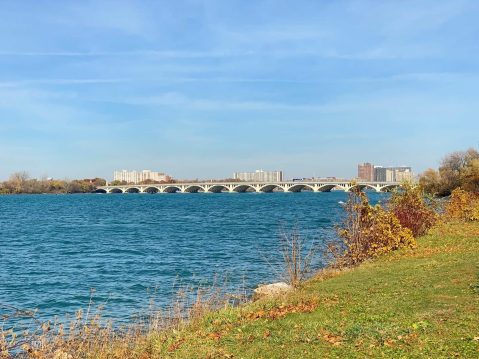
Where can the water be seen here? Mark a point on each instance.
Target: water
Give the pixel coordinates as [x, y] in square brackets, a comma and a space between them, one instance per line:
[55, 248]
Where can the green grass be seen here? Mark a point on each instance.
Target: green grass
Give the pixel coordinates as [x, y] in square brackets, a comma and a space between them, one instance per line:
[421, 303]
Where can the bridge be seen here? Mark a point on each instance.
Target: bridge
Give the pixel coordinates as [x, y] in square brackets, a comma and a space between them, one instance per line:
[232, 187]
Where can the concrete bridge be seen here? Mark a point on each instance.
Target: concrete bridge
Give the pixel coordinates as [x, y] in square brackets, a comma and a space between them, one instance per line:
[216, 187]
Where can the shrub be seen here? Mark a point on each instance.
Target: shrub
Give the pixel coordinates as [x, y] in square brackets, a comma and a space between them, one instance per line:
[297, 257]
[462, 205]
[368, 231]
[412, 209]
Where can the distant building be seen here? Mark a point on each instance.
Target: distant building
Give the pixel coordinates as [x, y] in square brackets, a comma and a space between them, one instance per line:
[259, 176]
[381, 174]
[366, 172]
[403, 174]
[139, 176]
[392, 174]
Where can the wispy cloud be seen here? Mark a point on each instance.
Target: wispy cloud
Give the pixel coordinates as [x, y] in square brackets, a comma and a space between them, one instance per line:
[133, 53]
[150, 76]
[375, 53]
[24, 83]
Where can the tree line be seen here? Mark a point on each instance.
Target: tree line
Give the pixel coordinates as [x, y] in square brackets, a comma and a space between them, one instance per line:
[21, 182]
[457, 170]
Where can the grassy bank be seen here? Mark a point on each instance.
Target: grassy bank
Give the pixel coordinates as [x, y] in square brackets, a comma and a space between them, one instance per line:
[411, 303]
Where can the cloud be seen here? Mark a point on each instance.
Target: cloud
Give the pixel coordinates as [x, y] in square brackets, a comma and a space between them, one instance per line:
[179, 100]
[23, 83]
[166, 54]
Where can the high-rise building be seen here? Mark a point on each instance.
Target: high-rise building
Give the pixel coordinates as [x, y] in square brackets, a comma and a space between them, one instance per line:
[383, 174]
[392, 174]
[259, 176]
[403, 174]
[366, 171]
[139, 176]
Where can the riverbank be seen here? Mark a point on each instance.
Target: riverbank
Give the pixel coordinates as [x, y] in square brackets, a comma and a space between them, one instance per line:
[421, 302]
[411, 303]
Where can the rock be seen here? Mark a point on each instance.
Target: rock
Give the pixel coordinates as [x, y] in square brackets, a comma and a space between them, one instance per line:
[274, 289]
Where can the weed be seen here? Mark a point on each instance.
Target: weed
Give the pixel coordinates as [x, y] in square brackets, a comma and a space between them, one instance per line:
[297, 257]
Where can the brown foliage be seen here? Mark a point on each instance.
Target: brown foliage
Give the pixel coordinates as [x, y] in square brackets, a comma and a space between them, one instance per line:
[462, 205]
[368, 232]
[283, 310]
[458, 169]
[430, 181]
[412, 210]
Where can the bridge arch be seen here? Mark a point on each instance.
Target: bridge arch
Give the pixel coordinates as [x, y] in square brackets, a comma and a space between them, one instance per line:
[362, 187]
[132, 190]
[271, 187]
[194, 189]
[328, 187]
[218, 188]
[115, 190]
[172, 189]
[244, 188]
[151, 190]
[300, 187]
[100, 190]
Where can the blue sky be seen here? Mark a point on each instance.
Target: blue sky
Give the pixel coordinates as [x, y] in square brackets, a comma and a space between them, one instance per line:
[205, 88]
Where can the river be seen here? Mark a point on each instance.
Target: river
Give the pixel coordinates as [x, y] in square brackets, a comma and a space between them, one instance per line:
[55, 248]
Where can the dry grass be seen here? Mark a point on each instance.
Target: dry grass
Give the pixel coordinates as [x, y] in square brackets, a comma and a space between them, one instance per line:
[89, 336]
[297, 254]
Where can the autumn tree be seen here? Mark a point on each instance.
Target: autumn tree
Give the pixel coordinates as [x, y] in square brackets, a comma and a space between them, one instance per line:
[458, 170]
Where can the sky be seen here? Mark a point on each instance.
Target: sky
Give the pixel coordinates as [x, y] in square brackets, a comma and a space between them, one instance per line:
[200, 89]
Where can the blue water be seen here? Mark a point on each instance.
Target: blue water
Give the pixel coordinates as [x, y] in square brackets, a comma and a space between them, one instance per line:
[55, 248]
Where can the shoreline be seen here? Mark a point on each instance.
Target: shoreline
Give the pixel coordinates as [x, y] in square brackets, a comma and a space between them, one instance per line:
[322, 318]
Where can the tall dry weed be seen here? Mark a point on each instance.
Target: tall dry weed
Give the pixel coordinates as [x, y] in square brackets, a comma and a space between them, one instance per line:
[297, 253]
[89, 335]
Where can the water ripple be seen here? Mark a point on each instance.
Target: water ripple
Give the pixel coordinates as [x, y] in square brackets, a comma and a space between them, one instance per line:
[54, 249]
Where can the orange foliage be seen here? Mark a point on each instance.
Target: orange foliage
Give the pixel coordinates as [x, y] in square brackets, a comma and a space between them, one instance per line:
[283, 310]
[463, 206]
[368, 231]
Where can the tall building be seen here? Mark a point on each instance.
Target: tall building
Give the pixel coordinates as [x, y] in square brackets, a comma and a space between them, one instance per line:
[403, 174]
[392, 174]
[382, 174]
[259, 176]
[139, 176]
[366, 171]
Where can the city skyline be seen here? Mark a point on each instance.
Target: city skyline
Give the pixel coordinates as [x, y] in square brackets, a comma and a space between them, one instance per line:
[203, 89]
[370, 172]
[136, 176]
